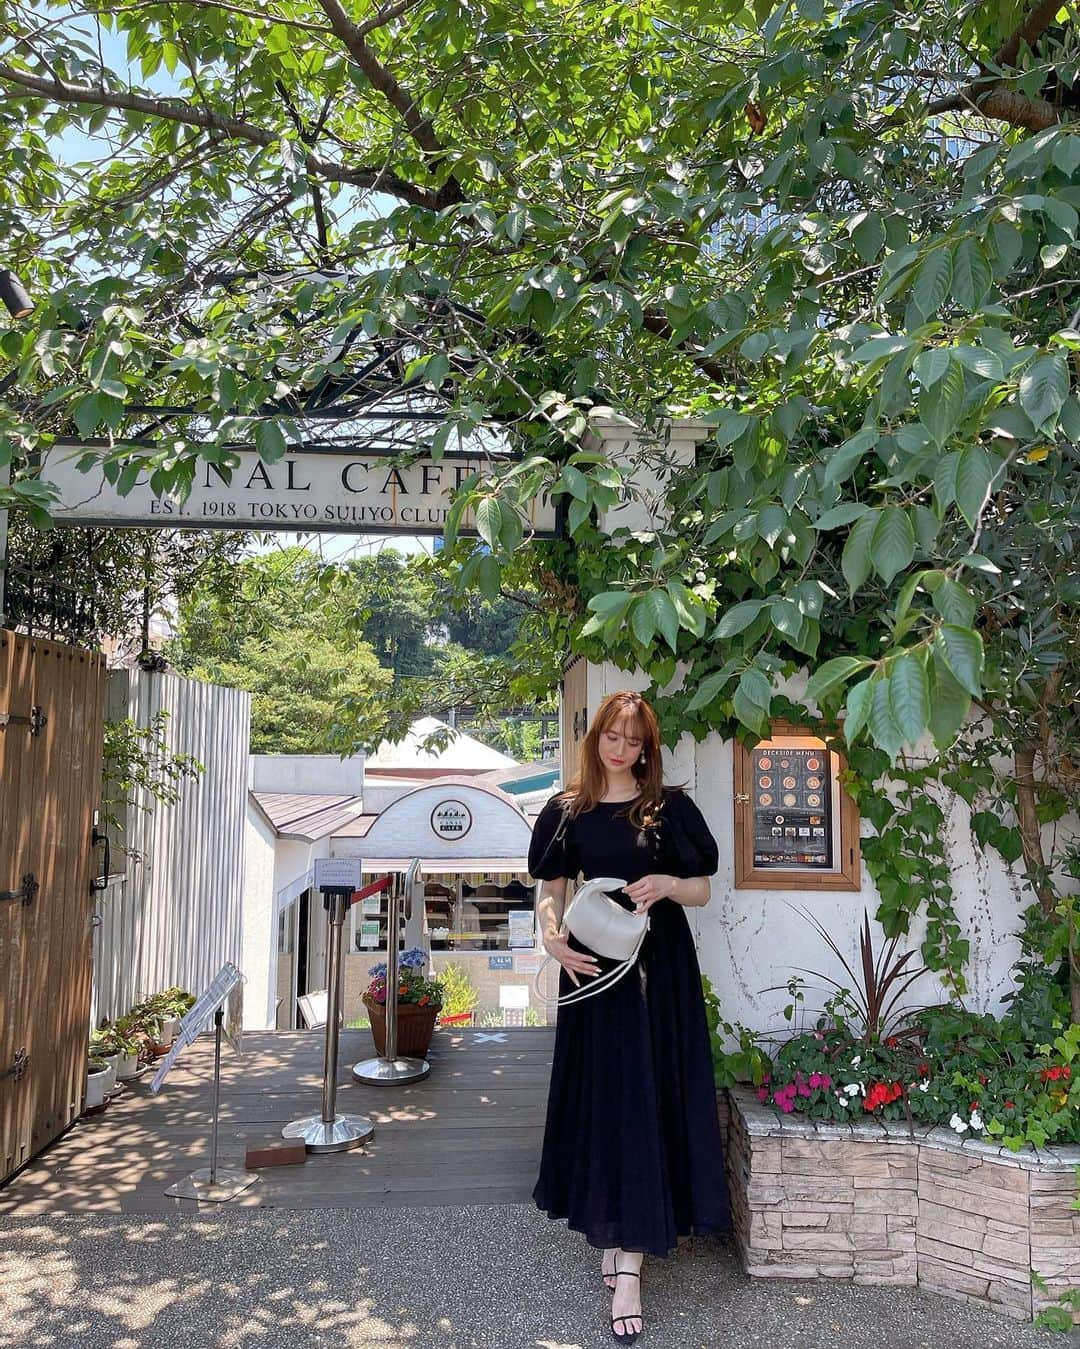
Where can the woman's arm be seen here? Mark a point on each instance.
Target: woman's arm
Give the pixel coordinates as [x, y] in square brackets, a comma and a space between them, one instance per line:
[551, 906]
[691, 892]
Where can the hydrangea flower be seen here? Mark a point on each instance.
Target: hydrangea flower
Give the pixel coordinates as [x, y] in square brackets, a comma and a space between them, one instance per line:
[960, 1125]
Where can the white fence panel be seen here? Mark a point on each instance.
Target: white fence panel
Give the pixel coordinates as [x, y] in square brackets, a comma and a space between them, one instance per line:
[177, 915]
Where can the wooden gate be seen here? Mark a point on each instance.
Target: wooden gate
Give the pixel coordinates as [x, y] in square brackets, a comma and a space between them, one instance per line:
[51, 702]
[575, 715]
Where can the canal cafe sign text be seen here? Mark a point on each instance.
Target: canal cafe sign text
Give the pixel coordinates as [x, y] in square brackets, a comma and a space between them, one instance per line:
[327, 491]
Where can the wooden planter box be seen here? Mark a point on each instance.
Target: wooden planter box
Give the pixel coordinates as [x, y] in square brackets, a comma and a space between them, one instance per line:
[871, 1203]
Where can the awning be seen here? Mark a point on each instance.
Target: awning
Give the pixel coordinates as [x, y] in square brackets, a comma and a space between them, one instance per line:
[453, 866]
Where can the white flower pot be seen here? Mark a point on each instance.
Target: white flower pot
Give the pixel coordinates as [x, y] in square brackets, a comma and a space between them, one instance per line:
[97, 1085]
[171, 1029]
[127, 1067]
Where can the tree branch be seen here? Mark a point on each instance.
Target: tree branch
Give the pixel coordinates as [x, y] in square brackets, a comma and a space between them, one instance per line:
[988, 95]
[399, 98]
[171, 110]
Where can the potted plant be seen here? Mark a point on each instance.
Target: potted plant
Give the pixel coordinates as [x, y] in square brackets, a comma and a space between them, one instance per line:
[173, 1003]
[149, 1024]
[99, 1075]
[419, 1001]
[100, 1048]
[121, 1039]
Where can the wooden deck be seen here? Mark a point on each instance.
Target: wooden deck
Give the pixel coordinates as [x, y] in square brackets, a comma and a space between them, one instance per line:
[468, 1133]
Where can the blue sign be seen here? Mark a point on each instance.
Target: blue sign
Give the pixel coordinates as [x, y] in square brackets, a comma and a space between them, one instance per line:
[500, 962]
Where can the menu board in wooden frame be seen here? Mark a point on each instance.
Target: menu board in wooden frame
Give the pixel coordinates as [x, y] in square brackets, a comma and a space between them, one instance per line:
[795, 828]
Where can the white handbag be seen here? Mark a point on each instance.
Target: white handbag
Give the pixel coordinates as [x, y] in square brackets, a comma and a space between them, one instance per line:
[607, 929]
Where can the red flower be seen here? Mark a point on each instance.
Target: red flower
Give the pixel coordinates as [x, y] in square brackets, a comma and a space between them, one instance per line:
[983, 1079]
[891, 1041]
[924, 1069]
[1066, 1072]
[1010, 1105]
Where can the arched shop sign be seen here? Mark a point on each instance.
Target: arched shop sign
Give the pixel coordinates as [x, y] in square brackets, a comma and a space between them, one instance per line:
[451, 820]
[353, 489]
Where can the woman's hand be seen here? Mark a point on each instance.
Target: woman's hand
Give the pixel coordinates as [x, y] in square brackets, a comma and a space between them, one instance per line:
[558, 945]
[648, 890]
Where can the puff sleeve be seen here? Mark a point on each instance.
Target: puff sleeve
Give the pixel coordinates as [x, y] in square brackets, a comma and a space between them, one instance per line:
[551, 857]
[690, 849]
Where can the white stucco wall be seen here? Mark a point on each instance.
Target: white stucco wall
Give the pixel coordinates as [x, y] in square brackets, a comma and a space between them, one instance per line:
[750, 940]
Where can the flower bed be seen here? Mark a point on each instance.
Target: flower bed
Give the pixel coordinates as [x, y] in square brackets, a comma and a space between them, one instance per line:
[877, 1202]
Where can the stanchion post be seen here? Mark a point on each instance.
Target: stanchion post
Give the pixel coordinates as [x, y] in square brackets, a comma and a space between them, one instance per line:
[219, 1017]
[331, 1132]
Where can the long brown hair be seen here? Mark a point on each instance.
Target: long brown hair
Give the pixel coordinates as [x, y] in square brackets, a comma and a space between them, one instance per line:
[589, 782]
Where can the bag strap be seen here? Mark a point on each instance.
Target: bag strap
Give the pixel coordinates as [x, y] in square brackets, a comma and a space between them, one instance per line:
[605, 981]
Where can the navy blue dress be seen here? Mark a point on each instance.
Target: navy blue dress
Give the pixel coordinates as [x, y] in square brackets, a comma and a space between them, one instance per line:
[632, 1154]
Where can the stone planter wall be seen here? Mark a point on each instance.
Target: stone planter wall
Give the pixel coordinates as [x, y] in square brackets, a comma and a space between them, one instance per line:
[872, 1203]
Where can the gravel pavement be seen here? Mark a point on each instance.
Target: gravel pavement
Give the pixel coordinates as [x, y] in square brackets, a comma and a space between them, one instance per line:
[485, 1276]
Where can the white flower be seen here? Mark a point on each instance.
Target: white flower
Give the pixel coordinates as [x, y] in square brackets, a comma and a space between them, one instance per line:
[841, 1098]
[924, 1086]
[958, 1124]
[856, 1060]
[852, 1088]
[976, 1120]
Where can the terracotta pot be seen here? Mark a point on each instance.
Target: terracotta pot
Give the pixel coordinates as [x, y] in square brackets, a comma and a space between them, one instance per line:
[415, 1027]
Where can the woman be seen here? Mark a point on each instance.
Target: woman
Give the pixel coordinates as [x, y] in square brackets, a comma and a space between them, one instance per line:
[632, 1155]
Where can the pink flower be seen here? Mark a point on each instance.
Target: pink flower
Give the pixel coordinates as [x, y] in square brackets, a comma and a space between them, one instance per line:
[763, 1093]
[820, 1080]
[785, 1105]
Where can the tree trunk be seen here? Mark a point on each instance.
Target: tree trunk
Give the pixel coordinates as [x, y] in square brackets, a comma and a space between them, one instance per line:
[1035, 862]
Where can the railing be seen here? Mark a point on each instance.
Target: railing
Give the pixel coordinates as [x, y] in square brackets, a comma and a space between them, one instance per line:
[40, 606]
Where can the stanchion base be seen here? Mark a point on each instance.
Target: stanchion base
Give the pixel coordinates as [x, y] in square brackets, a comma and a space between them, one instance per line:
[226, 1185]
[386, 1072]
[338, 1135]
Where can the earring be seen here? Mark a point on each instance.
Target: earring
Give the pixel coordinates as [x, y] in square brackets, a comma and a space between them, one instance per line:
[641, 758]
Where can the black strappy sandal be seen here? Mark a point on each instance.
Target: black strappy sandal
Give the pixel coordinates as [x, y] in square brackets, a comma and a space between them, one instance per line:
[630, 1316]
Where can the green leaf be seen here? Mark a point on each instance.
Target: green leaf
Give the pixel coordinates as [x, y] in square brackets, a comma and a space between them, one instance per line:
[883, 728]
[489, 520]
[688, 607]
[971, 274]
[962, 652]
[909, 695]
[771, 523]
[752, 698]
[941, 404]
[707, 690]
[855, 561]
[841, 463]
[738, 617]
[832, 674]
[841, 515]
[893, 543]
[932, 282]
[654, 612]
[270, 441]
[949, 704]
[976, 470]
[857, 708]
[1044, 387]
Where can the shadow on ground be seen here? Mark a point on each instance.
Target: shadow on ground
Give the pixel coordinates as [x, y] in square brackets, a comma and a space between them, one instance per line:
[489, 1276]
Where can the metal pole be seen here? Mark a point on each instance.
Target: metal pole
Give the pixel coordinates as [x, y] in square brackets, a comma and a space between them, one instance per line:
[331, 1132]
[218, 1018]
[333, 1004]
[392, 911]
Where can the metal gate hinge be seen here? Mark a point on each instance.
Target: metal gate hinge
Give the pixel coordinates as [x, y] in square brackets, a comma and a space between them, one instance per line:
[26, 892]
[18, 1066]
[36, 720]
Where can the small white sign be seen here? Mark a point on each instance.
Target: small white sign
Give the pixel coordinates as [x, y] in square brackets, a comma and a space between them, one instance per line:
[513, 995]
[372, 904]
[451, 820]
[369, 933]
[522, 924]
[337, 873]
[528, 964]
